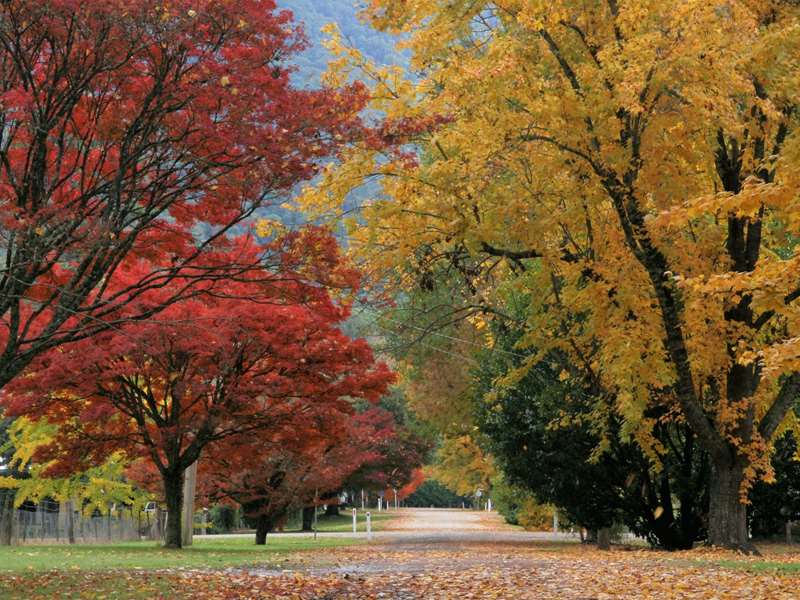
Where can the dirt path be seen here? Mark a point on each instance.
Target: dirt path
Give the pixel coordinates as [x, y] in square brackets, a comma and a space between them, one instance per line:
[525, 572]
[448, 521]
[452, 554]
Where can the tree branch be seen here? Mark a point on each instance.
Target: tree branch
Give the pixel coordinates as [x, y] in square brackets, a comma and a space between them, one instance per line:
[776, 413]
[521, 255]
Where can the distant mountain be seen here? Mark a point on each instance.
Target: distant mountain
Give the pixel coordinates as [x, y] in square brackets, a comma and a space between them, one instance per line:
[374, 45]
[314, 14]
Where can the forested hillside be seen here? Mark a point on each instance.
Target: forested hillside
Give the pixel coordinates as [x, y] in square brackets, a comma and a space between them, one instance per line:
[315, 14]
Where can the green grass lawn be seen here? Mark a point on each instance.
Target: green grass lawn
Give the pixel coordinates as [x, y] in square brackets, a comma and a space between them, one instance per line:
[761, 566]
[207, 553]
[139, 570]
[777, 558]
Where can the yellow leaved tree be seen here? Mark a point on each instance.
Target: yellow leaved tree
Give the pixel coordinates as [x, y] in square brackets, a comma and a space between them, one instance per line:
[98, 488]
[463, 467]
[632, 166]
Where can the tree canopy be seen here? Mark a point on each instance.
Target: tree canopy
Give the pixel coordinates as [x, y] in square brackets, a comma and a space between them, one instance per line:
[127, 130]
[636, 174]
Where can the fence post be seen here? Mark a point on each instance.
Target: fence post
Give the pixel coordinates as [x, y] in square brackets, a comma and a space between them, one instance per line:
[70, 507]
[157, 529]
[316, 498]
[369, 526]
[7, 514]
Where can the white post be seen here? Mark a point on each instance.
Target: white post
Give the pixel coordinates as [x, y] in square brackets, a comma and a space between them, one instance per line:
[363, 506]
[555, 522]
[187, 516]
[355, 521]
[489, 505]
[380, 502]
[369, 526]
[395, 497]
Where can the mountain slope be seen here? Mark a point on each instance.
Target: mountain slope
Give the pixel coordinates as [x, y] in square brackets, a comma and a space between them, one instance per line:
[314, 14]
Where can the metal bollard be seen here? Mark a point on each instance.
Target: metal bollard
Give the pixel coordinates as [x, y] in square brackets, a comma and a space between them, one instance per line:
[355, 521]
[369, 526]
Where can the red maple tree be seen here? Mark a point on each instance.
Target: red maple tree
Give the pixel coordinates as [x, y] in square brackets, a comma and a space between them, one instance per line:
[397, 454]
[251, 354]
[128, 128]
[301, 462]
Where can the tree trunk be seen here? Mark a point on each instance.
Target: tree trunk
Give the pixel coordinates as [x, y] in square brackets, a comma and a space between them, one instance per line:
[263, 527]
[173, 496]
[308, 518]
[6, 517]
[604, 538]
[727, 516]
